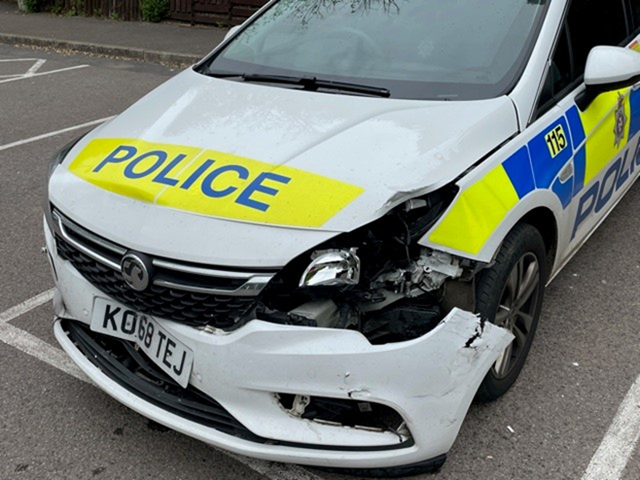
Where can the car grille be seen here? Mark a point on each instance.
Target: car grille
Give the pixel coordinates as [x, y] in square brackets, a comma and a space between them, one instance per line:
[185, 293]
[177, 305]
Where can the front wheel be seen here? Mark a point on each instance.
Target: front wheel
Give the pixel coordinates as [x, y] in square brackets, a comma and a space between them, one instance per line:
[509, 294]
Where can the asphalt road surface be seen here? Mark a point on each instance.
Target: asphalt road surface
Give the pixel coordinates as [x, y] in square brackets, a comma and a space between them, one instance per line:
[556, 423]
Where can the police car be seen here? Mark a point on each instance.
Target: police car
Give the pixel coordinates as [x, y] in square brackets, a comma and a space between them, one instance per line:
[321, 243]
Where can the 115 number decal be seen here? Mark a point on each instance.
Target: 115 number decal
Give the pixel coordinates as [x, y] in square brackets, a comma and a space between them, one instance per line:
[556, 141]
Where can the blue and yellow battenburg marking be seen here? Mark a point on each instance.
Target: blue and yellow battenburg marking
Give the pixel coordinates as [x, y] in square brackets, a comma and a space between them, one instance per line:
[480, 209]
[212, 183]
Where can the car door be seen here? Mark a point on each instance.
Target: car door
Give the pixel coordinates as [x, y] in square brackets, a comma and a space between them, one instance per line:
[592, 147]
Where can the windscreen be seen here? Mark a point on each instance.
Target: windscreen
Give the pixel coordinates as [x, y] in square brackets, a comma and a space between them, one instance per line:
[419, 49]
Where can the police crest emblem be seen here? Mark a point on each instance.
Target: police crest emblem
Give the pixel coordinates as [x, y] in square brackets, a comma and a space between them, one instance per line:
[621, 121]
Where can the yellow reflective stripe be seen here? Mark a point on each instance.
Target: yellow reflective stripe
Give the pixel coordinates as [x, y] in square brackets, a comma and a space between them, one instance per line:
[601, 142]
[476, 213]
[212, 183]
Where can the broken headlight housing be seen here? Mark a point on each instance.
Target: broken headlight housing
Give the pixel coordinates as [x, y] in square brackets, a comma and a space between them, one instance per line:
[339, 268]
[376, 279]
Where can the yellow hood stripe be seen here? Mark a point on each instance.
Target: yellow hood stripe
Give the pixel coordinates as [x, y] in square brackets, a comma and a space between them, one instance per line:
[212, 183]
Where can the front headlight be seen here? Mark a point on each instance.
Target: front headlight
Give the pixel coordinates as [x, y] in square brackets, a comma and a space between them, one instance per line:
[377, 279]
[334, 268]
[348, 264]
[55, 161]
[60, 155]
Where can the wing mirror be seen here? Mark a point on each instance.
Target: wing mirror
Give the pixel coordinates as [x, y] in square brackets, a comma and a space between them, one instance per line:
[232, 31]
[608, 68]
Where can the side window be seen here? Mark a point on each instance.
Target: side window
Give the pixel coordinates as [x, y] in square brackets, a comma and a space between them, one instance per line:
[592, 23]
[559, 73]
[589, 23]
[634, 6]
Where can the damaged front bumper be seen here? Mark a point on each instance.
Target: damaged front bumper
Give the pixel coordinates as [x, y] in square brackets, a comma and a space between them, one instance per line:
[429, 382]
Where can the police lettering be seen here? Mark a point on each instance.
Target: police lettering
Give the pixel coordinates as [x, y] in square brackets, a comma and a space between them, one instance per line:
[250, 189]
[600, 193]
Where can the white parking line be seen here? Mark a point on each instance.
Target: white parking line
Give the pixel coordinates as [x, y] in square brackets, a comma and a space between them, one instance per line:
[26, 306]
[23, 77]
[32, 345]
[34, 68]
[620, 442]
[37, 63]
[53, 134]
[7, 60]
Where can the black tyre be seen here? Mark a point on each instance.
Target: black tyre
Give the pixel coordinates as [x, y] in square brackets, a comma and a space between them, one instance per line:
[509, 294]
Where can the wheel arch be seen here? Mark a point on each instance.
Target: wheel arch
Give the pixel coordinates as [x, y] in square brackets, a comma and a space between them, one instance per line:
[544, 220]
[541, 209]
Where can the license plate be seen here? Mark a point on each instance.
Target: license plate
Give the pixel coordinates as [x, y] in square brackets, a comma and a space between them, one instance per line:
[166, 351]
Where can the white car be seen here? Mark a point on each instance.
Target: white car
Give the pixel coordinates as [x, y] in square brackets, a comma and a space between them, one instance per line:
[322, 242]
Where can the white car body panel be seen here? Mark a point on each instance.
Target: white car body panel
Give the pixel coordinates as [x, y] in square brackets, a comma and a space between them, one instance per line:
[394, 150]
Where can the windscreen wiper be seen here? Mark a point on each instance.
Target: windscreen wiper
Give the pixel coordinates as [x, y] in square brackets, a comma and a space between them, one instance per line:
[309, 83]
[314, 83]
[222, 74]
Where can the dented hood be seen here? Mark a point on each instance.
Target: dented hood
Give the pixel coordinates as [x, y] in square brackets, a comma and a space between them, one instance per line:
[283, 167]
